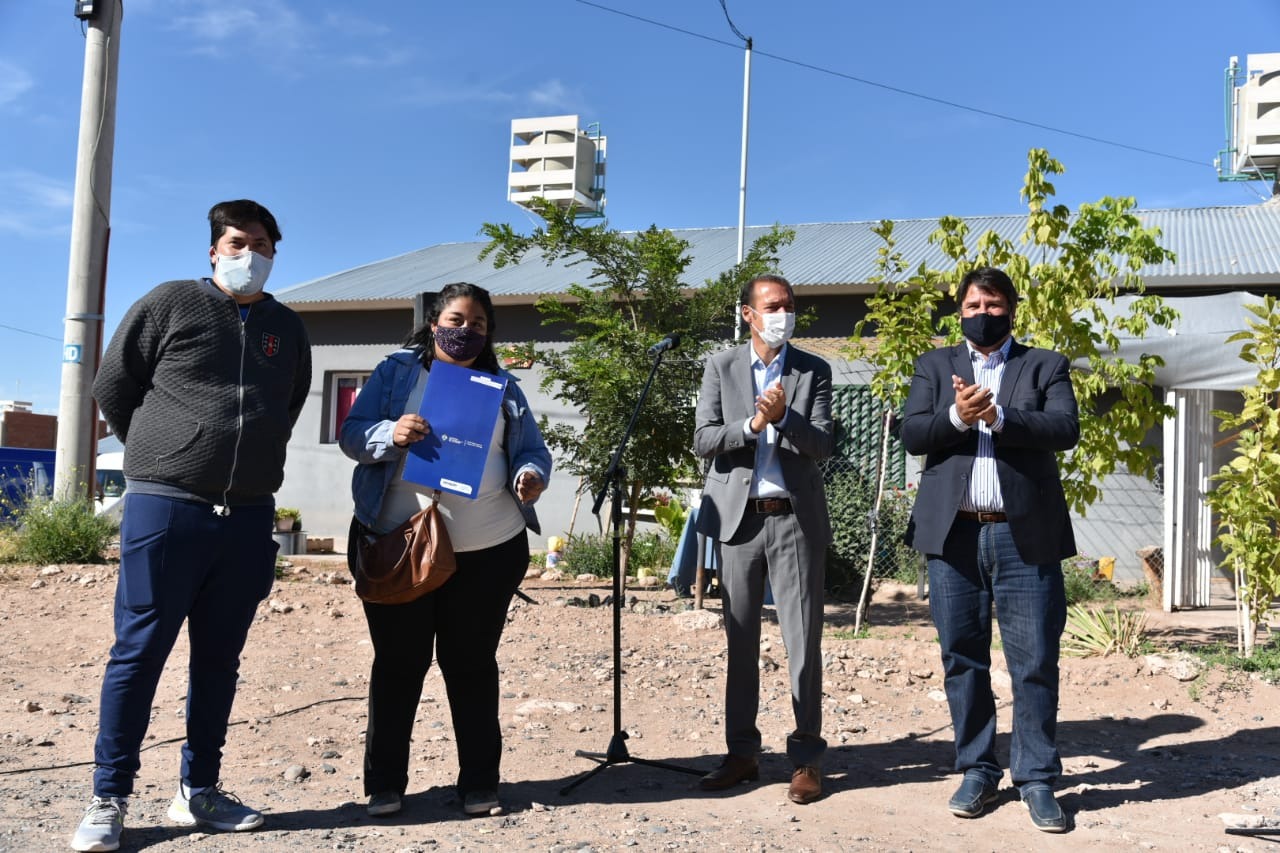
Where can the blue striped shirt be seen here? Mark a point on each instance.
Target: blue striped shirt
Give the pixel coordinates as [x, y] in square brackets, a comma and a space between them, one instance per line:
[984, 486]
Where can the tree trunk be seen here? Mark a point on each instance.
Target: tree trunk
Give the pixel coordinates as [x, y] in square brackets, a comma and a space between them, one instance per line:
[875, 525]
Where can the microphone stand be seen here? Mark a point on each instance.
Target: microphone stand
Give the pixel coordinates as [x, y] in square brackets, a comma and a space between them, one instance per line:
[616, 477]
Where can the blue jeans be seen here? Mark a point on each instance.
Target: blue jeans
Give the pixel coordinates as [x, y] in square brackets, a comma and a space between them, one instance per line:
[180, 563]
[980, 567]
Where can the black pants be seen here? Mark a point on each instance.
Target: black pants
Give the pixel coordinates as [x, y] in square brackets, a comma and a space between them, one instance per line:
[463, 622]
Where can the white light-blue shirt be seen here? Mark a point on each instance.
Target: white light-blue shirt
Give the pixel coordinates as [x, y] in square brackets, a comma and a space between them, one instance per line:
[766, 478]
[984, 485]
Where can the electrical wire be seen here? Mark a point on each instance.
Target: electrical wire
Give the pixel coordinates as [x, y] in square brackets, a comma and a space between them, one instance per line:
[899, 90]
[737, 32]
[29, 332]
[183, 737]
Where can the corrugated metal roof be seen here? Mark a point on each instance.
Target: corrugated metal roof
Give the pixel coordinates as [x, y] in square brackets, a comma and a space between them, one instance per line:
[1213, 245]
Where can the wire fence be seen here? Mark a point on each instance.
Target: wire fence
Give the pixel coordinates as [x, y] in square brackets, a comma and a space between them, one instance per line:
[1125, 522]
[852, 476]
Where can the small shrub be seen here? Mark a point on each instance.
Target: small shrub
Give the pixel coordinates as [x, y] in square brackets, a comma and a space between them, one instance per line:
[1103, 631]
[593, 554]
[652, 550]
[9, 545]
[1265, 661]
[590, 555]
[850, 500]
[1082, 585]
[63, 532]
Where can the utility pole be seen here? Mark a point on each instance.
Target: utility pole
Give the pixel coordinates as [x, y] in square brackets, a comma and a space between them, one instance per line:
[742, 174]
[742, 177]
[90, 229]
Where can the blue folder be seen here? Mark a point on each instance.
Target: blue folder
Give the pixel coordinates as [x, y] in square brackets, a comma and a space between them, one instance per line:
[461, 405]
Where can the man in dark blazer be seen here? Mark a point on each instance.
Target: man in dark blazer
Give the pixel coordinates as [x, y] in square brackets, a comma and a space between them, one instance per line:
[764, 421]
[990, 516]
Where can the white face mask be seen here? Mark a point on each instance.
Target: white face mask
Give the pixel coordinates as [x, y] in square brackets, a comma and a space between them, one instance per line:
[244, 274]
[776, 328]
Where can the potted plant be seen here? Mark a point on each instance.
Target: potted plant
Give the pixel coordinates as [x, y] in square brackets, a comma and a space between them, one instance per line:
[287, 518]
[518, 355]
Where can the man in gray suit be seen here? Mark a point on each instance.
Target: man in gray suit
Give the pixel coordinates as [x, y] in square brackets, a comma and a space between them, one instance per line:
[991, 517]
[764, 421]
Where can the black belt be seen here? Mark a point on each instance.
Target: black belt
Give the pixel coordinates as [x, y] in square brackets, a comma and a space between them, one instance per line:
[769, 506]
[983, 517]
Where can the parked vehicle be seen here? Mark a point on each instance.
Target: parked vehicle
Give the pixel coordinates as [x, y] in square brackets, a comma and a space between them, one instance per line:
[24, 474]
[110, 488]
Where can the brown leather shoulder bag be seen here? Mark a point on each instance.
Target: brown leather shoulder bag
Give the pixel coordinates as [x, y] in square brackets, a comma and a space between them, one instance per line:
[401, 566]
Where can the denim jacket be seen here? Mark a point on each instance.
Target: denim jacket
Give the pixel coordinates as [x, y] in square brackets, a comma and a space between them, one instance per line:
[367, 432]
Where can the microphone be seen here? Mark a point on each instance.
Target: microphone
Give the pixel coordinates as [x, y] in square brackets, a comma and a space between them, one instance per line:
[671, 341]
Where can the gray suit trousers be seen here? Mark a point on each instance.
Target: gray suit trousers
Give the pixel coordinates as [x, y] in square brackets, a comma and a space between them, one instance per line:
[773, 545]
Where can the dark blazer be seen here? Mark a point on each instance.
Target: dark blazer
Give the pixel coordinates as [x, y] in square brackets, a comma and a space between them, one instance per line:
[726, 400]
[1040, 417]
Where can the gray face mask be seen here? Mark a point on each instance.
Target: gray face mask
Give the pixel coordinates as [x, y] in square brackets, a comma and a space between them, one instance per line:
[244, 274]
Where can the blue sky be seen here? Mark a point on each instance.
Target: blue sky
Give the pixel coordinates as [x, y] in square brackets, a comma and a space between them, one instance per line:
[374, 129]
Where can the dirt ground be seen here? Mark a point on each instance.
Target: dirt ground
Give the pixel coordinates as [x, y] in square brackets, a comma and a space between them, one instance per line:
[1150, 761]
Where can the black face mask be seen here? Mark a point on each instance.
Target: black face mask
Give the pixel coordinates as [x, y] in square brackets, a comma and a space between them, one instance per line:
[986, 330]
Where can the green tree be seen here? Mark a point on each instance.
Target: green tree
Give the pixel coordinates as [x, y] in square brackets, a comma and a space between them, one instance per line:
[632, 295]
[1070, 267]
[1247, 495]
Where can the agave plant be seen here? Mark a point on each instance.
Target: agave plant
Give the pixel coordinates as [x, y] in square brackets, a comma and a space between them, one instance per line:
[1102, 631]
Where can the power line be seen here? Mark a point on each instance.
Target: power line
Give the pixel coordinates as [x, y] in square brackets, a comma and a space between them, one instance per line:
[900, 91]
[737, 32]
[29, 332]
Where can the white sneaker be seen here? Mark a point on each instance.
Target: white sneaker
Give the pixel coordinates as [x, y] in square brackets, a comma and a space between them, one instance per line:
[214, 807]
[100, 828]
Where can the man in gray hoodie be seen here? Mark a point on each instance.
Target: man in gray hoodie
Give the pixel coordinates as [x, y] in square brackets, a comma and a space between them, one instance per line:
[203, 382]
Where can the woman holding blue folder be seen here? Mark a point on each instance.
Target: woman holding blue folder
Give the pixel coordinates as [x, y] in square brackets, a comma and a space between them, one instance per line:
[462, 620]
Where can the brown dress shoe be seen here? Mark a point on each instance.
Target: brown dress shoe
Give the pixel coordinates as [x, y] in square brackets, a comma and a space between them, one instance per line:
[806, 785]
[732, 770]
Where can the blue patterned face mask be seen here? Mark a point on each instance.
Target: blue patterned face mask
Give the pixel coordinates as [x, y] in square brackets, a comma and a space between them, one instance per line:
[460, 343]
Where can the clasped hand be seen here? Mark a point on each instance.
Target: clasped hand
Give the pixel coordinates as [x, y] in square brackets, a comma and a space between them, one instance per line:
[973, 402]
[770, 407]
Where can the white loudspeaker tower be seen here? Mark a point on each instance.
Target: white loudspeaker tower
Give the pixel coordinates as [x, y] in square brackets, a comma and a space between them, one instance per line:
[1253, 118]
[552, 158]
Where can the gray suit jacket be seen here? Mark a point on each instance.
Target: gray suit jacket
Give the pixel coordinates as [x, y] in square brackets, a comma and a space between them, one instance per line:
[1040, 417]
[727, 400]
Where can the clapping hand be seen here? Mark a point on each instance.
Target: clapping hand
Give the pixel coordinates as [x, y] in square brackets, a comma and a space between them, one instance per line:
[973, 402]
[770, 407]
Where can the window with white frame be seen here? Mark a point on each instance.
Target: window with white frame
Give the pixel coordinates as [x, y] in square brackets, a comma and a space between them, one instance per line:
[342, 390]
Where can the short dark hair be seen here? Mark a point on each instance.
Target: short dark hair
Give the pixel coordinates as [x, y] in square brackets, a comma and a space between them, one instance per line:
[423, 337]
[749, 289]
[239, 214]
[989, 279]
